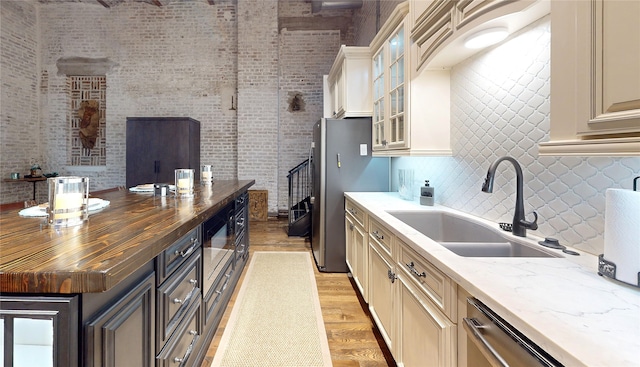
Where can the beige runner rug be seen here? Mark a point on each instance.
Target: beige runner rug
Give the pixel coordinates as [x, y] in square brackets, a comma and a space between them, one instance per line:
[276, 319]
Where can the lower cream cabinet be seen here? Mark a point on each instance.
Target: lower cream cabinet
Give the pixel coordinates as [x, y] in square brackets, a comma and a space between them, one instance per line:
[381, 293]
[357, 246]
[427, 336]
[413, 303]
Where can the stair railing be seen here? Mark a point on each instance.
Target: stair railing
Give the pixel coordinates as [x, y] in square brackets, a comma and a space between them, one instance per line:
[299, 188]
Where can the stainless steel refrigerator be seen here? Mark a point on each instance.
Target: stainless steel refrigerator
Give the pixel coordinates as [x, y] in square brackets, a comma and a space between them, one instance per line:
[341, 161]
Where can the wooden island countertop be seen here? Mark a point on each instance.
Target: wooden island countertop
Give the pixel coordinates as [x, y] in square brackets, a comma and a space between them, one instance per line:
[116, 241]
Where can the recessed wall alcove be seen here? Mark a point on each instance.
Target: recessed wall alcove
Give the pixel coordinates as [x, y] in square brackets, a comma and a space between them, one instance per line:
[86, 87]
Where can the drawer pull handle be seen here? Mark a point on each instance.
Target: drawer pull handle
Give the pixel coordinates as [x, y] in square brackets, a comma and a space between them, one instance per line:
[189, 349]
[240, 222]
[352, 211]
[226, 283]
[474, 327]
[415, 272]
[194, 283]
[194, 244]
[377, 235]
[351, 226]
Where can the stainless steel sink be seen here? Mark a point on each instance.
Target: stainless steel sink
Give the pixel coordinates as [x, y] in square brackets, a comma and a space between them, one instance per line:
[466, 237]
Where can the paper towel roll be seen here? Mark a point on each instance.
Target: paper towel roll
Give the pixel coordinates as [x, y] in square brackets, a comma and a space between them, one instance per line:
[622, 233]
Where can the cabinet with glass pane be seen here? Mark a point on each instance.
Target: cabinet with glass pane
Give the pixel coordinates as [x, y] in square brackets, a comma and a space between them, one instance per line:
[389, 83]
[410, 112]
[38, 331]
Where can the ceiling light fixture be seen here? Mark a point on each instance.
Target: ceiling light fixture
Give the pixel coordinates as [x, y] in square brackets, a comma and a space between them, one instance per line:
[486, 37]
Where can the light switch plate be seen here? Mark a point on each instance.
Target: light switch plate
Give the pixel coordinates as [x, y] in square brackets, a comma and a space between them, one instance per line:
[363, 149]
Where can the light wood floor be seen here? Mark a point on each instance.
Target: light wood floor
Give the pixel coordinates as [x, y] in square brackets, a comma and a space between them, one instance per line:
[353, 339]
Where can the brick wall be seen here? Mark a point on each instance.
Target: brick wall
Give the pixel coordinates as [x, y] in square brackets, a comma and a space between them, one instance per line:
[367, 21]
[175, 60]
[258, 95]
[20, 128]
[187, 58]
[305, 56]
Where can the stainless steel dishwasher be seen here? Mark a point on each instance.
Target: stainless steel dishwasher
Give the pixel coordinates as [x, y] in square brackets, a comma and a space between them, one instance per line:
[494, 342]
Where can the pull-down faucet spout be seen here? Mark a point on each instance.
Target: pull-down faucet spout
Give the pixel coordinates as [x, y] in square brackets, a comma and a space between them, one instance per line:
[520, 225]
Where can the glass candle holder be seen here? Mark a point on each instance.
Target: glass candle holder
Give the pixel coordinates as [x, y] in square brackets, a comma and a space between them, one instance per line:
[68, 201]
[184, 182]
[206, 174]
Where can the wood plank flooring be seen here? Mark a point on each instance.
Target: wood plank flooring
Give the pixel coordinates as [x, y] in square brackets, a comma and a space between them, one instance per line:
[353, 338]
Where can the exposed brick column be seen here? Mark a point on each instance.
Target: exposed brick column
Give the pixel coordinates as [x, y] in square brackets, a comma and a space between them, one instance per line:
[258, 95]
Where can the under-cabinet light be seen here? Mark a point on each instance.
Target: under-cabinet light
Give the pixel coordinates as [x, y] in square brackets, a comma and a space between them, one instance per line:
[486, 37]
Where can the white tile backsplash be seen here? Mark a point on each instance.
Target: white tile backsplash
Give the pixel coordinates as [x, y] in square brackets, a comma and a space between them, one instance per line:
[501, 106]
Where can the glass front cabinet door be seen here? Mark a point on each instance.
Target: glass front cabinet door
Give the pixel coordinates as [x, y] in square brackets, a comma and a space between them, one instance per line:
[389, 84]
[38, 331]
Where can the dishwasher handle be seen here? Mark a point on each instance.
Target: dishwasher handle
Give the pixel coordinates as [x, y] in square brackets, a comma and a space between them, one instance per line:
[474, 327]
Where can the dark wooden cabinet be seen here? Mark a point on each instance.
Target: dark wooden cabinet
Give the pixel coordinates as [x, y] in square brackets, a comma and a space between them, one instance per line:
[124, 334]
[157, 146]
[32, 318]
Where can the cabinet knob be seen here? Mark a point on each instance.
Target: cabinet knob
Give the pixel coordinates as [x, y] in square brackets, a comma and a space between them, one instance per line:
[392, 276]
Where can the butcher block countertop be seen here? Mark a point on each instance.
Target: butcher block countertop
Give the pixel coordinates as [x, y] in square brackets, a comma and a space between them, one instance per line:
[115, 242]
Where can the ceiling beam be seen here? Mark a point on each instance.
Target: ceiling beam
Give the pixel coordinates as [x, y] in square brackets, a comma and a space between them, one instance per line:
[103, 3]
[314, 23]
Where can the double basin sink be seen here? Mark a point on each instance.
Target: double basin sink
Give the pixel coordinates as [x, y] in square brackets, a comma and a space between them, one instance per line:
[467, 237]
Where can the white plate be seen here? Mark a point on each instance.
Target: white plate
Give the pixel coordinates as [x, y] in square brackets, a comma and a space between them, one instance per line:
[41, 210]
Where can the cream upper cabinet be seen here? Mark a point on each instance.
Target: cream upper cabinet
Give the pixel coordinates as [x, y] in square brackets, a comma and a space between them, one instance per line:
[410, 114]
[349, 83]
[595, 78]
[441, 26]
[389, 83]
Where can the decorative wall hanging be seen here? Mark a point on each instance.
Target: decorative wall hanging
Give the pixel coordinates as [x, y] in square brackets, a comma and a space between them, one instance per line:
[87, 120]
[89, 123]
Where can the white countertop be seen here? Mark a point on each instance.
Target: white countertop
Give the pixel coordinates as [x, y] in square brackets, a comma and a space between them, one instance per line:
[561, 304]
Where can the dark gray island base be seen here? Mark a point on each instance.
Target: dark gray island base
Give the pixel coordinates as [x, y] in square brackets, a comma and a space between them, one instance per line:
[144, 282]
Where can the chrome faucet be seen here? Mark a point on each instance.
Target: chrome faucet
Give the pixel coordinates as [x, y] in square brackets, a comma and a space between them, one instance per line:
[520, 225]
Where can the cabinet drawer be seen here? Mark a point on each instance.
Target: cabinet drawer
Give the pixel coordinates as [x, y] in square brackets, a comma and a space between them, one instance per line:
[356, 212]
[240, 221]
[171, 258]
[175, 296]
[434, 283]
[213, 299]
[242, 248]
[381, 235]
[179, 348]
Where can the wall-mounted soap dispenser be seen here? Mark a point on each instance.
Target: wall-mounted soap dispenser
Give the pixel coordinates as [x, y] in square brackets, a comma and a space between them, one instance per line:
[426, 194]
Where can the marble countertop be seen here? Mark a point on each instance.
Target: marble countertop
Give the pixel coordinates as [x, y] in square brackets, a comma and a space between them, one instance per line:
[562, 304]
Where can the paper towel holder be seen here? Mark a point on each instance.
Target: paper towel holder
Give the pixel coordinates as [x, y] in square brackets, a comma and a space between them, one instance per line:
[608, 269]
